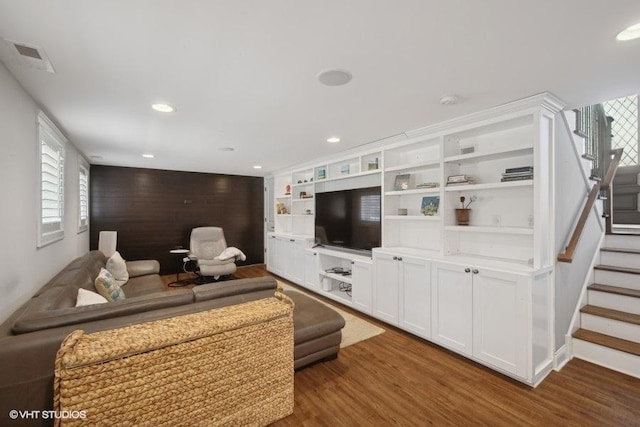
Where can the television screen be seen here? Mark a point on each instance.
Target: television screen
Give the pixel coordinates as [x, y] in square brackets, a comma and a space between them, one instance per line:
[349, 218]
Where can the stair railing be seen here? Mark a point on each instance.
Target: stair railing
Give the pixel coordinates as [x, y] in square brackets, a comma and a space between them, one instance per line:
[612, 160]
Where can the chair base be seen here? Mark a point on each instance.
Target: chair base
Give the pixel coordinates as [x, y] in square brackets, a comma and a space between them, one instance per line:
[203, 280]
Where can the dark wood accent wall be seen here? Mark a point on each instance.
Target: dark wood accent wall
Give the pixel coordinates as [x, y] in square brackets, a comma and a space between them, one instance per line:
[154, 211]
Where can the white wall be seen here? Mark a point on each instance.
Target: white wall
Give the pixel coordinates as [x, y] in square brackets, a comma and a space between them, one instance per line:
[571, 194]
[23, 267]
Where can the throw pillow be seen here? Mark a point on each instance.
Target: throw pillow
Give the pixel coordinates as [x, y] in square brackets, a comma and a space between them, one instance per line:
[118, 268]
[108, 287]
[86, 297]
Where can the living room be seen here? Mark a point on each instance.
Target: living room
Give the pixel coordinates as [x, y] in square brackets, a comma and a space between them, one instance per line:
[250, 108]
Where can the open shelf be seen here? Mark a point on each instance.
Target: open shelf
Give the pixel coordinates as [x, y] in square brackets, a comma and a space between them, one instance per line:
[493, 154]
[412, 191]
[413, 217]
[413, 166]
[308, 199]
[351, 175]
[339, 277]
[284, 196]
[490, 185]
[487, 229]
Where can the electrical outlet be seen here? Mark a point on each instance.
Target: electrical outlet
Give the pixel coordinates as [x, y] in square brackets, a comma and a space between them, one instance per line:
[496, 220]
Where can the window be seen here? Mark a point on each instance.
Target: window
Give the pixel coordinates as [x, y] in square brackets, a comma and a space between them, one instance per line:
[83, 195]
[51, 152]
[370, 208]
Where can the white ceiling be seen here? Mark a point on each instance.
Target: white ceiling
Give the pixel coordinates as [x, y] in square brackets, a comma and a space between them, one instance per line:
[243, 74]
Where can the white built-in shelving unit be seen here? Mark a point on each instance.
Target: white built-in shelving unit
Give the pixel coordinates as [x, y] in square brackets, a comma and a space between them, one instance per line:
[483, 290]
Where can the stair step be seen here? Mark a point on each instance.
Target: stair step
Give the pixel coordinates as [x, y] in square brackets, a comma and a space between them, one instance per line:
[608, 341]
[617, 269]
[615, 290]
[621, 250]
[611, 314]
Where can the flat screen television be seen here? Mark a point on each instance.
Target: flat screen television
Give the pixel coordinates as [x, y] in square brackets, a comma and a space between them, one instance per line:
[349, 218]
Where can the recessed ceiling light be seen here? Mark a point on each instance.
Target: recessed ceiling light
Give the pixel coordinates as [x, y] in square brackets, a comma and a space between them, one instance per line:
[632, 32]
[163, 108]
[226, 149]
[333, 139]
[148, 156]
[449, 100]
[257, 167]
[335, 77]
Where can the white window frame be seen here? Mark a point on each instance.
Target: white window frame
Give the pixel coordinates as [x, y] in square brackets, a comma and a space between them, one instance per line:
[83, 168]
[50, 231]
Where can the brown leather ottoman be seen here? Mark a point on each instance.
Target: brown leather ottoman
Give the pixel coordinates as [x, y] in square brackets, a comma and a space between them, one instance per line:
[317, 330]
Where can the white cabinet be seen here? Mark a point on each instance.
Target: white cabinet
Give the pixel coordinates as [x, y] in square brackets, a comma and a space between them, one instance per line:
[298, 264]
[271, 253]
[482, 313]
[286, 257]
[500, 326]
[362, 276]
[385, 288]
[415, 295]
[452, 306]
[311, 277]
[402, 292]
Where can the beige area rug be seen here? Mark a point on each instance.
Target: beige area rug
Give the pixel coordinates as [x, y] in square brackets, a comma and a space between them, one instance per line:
[355, 328]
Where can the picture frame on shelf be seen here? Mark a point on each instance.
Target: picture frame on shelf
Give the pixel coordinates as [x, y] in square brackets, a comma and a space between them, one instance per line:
[402, 182]
[322, 173]
[429, 206]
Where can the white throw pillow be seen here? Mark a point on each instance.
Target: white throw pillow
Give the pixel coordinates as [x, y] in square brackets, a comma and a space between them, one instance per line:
[118, 268]
[86, 297]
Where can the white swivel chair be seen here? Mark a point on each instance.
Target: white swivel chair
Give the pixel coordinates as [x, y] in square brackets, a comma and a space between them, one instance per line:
[206, 244]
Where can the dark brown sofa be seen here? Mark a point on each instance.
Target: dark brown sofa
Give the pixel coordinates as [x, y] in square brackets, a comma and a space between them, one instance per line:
[31, 336]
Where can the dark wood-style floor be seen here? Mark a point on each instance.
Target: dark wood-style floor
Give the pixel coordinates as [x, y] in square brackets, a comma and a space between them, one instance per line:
[398, 379]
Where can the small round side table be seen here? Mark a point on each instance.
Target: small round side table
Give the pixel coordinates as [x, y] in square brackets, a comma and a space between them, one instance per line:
[178, 253]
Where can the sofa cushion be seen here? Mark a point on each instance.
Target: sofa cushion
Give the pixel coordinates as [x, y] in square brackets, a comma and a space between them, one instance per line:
[143, 285]
[108, 287]
[86, 297]
[313, 319]
[233, 287]
[143, 267]
[35, 321]
[118, 268]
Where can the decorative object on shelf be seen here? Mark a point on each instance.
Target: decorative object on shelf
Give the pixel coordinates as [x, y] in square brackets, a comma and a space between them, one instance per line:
[306, 196]
[402, 211]
[344, 169]
[322, 173]
[517, 174]
[308, 212]
[287, 190]
[303, 194]
[430, 205]
[463, 214]
[460, 180]
[281, 209]
[468, 150]
[299, 181]
[428, 185]
[402, 182]
[373, 164]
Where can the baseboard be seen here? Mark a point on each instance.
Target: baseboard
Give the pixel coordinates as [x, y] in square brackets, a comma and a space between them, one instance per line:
[561, 357]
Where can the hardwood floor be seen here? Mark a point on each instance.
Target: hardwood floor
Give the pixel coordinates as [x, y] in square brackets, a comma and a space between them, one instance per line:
[398, 379]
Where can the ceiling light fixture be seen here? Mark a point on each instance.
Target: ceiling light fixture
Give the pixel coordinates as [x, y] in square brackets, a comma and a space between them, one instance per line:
[630, 33]
[335, 77]
[148, 156]
[449, 100]
[257, 167]
[333, 139]
[163, 108]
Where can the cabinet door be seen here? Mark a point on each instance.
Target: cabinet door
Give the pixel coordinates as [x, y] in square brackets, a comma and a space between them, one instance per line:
[361, 274]
[271, 254]
[500, 320]
[451, 307]
[287, 257]
[298, 261]
[312, 279]
[415, 296]
[385, 292]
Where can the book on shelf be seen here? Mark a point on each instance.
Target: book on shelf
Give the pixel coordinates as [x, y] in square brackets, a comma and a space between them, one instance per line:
[453, 184]
[516, 178]
[429, 206]
[459, 178]
[428, 185]
[519, 169]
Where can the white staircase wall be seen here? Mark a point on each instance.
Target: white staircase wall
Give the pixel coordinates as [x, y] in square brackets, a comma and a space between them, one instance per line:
[571, 191]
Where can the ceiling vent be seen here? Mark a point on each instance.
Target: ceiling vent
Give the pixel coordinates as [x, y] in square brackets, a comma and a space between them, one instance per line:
[30, 56]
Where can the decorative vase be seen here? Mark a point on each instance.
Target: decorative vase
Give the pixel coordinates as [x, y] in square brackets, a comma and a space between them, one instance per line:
[462, 216]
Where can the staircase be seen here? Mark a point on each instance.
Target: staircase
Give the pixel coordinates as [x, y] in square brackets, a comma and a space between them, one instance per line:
[609, 334]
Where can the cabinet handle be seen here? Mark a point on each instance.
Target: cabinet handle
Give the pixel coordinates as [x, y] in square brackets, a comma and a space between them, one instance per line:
[475, 271]
[353, 262]
[292, 240]
[395, 258]
[314, 254]
[399, 258]
[467, 270]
